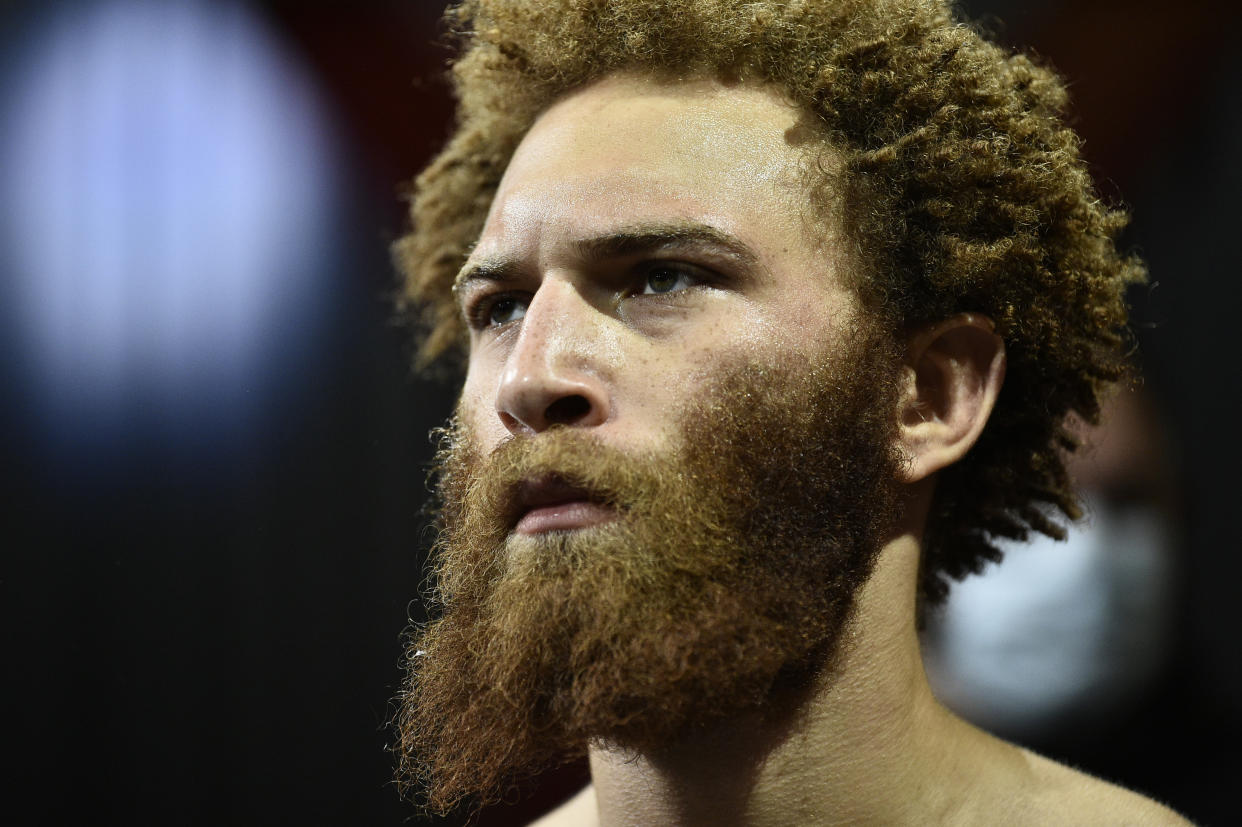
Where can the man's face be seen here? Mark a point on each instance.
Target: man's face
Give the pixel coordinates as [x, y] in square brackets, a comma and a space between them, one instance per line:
[672, 463]
[643, 234]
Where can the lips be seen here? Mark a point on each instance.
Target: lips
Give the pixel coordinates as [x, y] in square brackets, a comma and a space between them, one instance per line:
[549, 503]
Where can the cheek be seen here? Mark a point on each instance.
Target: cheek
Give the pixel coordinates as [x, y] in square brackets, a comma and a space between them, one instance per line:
[653, 402]
[481, 426]
[476, 409]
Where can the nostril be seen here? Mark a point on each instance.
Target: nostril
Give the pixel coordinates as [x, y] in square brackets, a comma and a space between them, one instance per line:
[567, 409]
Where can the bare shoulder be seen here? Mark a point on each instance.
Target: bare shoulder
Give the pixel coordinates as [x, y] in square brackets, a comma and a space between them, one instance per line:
[1051, 794]
[1067, 796]
[578, 811]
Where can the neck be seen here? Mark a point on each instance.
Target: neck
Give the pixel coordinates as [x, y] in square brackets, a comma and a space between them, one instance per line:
[862, 746]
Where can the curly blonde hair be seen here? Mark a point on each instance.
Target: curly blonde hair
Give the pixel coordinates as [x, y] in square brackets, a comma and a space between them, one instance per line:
[953, 173]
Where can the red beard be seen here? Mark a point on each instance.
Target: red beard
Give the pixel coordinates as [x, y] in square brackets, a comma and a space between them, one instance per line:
[729, 573]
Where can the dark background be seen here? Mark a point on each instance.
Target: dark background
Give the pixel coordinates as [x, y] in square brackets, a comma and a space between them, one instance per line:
[208, 629]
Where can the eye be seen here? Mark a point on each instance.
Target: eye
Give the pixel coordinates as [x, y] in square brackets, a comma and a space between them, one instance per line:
[666, 278]
[496, 310]
[505, 309]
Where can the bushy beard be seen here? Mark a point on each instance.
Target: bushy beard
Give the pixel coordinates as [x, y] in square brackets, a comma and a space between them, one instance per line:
[730, 568]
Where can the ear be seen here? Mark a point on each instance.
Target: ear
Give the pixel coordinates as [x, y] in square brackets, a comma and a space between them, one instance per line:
[953, 374]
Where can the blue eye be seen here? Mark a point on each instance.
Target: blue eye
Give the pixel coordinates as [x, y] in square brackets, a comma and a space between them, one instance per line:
[666, 280]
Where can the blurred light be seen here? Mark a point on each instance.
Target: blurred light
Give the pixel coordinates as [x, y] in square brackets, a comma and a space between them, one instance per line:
[167, 200]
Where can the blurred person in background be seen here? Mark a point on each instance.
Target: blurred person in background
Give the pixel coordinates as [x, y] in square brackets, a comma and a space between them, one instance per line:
[773, 317]
[1060, 641]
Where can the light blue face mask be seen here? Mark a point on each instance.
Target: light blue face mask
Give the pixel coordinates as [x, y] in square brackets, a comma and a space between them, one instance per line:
[1059, 633]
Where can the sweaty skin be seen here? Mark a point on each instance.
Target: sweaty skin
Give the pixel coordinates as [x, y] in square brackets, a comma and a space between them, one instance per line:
[687, 164]
[701, 175]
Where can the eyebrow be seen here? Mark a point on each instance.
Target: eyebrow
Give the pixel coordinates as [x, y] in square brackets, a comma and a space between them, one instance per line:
[626, 241]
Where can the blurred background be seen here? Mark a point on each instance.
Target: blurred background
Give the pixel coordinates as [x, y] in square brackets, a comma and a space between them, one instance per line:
[215, 454]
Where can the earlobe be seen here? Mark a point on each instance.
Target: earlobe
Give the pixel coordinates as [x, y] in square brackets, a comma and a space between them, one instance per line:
[954, 371]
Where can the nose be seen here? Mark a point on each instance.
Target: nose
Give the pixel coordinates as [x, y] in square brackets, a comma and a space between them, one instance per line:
[554, 375]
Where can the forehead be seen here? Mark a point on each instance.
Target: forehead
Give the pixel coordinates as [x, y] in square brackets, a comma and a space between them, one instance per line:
[629, 150]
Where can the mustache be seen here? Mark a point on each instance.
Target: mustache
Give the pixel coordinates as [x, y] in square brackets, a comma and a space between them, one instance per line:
[528, 470]
[482, 496]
